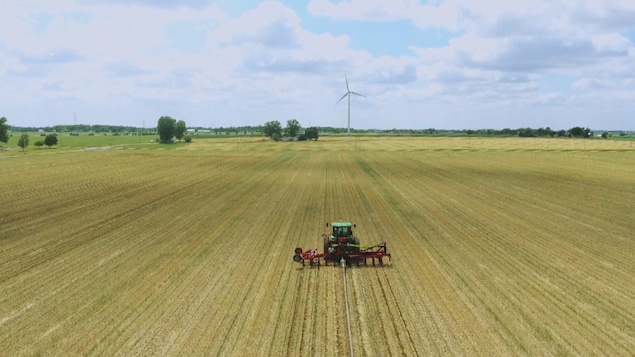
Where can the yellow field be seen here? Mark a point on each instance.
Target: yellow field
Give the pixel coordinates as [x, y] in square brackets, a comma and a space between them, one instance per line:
[500, 247]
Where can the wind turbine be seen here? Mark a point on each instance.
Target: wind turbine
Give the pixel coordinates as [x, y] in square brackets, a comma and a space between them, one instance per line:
[348, 93]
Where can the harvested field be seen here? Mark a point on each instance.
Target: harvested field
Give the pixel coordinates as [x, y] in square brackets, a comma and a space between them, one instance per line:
[500, 247]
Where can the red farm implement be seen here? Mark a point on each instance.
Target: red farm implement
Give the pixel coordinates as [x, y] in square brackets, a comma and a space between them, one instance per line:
[342, 246]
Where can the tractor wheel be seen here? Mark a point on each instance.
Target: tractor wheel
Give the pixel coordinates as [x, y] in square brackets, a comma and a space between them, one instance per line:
[298, 250]
[326, 246]
[297, 258]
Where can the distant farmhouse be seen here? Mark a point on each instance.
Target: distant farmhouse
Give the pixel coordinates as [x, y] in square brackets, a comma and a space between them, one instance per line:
[198, 131]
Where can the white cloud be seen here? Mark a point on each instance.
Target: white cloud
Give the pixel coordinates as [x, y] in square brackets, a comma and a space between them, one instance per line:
[54, 56]
[612, 43]
[376, 10]
[484, 16]
[443, 15]
[167, 4]
[270, 25]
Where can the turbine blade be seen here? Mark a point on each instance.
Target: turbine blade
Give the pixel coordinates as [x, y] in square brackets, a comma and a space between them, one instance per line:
[361, 95]
[344, 96]
[346, 77]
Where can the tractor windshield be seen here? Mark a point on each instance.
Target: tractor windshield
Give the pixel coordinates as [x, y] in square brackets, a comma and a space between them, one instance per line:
[342, 231]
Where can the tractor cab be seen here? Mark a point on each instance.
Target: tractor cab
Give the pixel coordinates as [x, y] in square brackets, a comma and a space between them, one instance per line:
[342, 230]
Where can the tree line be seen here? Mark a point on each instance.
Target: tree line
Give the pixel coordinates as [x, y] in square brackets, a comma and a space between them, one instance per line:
[273, 129]
[24, 141]
[97, 128]
[168, 128]
[575, 132]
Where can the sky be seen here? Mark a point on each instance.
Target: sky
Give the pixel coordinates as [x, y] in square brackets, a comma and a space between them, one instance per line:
[443, 64]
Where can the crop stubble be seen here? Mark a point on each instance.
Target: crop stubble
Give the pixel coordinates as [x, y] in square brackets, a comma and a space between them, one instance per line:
[497, 250]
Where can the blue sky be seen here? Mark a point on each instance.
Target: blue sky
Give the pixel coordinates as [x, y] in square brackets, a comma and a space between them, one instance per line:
[445, 64]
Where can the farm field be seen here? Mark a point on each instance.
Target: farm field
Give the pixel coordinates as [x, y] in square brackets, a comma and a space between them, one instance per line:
[69, 142]
[500, 247]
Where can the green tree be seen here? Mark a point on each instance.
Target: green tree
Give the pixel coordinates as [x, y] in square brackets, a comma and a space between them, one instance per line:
[4, 129]
[272, 128]
[605, 134]
[526, 132]
[311, 133]
[187, 138]
[39, 144]
[166, 128]
[576, 131]
[23, 142]
[544, 132]
[180, 130]
[292, 129]
[50, 140]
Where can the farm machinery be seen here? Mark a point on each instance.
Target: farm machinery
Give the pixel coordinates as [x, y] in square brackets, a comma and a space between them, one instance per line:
[342, 246]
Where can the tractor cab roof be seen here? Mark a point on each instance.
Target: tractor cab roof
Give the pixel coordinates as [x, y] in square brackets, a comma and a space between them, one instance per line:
[341, 224]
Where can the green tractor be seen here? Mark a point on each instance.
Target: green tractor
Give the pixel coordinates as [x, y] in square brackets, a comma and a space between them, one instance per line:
[341, 243]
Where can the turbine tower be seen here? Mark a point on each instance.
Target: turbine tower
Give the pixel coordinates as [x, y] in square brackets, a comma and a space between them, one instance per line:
[348, 93]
